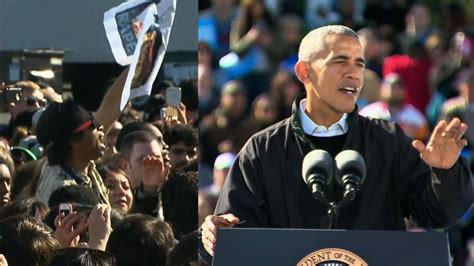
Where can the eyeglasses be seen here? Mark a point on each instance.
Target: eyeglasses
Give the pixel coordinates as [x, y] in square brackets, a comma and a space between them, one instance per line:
[33, 101]
[91, 123]
[180, 151]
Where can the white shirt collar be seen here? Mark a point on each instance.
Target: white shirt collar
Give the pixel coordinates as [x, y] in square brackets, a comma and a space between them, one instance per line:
[311, 128]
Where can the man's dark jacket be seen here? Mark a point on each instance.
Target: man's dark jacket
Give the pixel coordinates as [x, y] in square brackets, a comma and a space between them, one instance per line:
[265, 188]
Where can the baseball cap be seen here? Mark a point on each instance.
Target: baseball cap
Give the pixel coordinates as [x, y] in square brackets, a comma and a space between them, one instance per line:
[31, 143]
[59, 121]
[20, 154]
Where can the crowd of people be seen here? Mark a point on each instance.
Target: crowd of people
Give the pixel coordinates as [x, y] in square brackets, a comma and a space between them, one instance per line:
[417, 73]
[98, 187]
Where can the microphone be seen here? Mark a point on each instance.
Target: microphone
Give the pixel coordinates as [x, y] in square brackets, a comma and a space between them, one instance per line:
[351, 172]
[317, 172]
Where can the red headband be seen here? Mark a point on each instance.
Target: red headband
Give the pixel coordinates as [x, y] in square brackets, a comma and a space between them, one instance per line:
[83, 126]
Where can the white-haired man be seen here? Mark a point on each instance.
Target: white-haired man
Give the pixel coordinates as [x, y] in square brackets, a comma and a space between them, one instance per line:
[404, 178]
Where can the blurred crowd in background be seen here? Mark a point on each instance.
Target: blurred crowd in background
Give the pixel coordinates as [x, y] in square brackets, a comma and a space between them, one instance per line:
[420, 69]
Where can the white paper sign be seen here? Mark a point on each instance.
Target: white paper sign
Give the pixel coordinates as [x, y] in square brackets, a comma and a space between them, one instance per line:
[146, 60]
[120, 30]
[147, 34]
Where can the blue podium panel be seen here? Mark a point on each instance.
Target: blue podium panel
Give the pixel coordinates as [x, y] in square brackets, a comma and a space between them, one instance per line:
[307, 247]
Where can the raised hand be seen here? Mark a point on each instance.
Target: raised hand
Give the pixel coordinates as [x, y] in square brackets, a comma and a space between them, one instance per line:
[99, 226]
[445, 144]
[210, 226]
[69, 228]
[155, 172]
[182, 118]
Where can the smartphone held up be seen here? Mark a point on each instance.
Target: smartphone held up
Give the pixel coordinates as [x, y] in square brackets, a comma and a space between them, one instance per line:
[173, 99]
[65, 209]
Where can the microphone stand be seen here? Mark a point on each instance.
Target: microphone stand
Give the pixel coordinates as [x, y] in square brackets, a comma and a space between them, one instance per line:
[330, 205]
[333, 208]
[350, 191]
[333, 213]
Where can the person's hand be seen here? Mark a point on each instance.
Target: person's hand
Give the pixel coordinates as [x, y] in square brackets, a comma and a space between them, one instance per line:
[69, 228]
[155, 173]
[3, 260]
[210, 226]
[445, 144]
[170, 121]
[99, 226]
[253, 33]
[182, 114]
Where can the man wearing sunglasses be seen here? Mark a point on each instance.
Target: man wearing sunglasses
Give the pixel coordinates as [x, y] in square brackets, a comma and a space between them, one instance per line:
[72, 139]
[31, 98]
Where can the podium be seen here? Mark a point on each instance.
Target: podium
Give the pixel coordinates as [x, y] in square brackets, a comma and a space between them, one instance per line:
[308, 247]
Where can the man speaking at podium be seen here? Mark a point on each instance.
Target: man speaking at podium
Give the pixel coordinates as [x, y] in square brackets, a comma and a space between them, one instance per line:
[405, 178]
